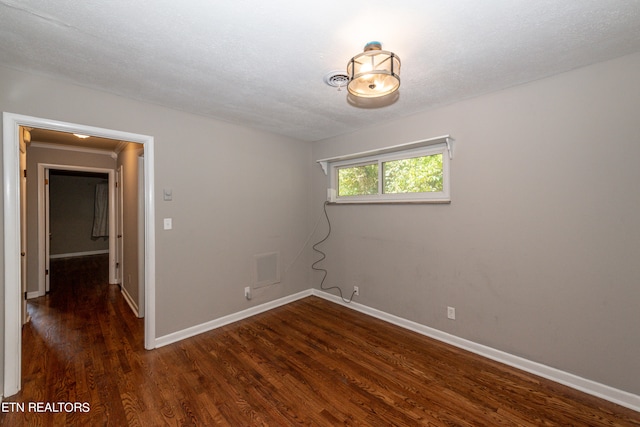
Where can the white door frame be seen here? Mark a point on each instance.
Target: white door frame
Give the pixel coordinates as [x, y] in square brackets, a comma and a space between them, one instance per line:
[44, 216]
[11, 194]
[119, 226]
[141, 259]
[44, 236]
[23, 219]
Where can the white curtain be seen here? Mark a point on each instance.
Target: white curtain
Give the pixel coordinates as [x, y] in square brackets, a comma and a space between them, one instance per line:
[101, 211]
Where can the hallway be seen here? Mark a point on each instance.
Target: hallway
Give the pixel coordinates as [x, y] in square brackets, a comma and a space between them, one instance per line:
[80, 335]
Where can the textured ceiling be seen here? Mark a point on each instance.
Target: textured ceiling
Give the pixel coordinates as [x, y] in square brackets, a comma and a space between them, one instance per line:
[261, 63]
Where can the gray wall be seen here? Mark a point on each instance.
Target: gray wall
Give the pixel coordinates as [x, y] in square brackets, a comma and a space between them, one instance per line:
[71, 214]
[128, 159]
[538, 251]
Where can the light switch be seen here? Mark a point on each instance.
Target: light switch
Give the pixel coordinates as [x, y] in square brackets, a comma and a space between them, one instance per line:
[167, 194]
[168, 224]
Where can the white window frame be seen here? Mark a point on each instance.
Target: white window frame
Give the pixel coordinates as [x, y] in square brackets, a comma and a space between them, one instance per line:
[440, 145]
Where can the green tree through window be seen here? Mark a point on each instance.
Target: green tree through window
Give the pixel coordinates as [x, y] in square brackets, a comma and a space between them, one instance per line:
[414, 175]
[358, 180]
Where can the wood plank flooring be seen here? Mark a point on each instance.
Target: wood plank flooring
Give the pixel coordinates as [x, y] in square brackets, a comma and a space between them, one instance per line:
[311, 363]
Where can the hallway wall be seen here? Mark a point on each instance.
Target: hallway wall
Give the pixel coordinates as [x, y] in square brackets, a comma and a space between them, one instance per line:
[71, 213]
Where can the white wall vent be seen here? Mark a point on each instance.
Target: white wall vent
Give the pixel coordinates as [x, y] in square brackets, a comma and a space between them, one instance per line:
[266, 269]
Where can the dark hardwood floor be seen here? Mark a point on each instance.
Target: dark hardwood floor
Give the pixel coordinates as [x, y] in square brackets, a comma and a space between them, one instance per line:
[310, 363]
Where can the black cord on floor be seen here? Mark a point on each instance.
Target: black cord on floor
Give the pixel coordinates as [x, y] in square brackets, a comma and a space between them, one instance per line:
[324, 272]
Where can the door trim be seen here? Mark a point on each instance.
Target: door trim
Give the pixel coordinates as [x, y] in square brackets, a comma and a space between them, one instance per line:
[119, 226]
[11, 196]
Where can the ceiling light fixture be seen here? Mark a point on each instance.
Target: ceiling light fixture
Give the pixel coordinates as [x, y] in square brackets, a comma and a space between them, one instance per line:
[374, 72]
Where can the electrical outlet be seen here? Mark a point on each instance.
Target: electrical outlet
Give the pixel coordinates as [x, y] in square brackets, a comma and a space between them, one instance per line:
[247, 292]
[356, 290]
[451, 313]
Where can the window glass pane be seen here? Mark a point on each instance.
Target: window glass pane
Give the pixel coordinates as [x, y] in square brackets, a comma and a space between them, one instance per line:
[358, 180]
[415, 175]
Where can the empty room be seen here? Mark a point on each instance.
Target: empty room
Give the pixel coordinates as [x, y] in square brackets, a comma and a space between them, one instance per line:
[320, 213]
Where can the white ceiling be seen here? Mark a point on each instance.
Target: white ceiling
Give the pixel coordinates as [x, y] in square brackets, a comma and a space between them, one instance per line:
[262, 63]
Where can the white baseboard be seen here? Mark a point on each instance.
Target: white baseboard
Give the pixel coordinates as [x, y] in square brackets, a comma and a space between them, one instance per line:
[225, 320]
[130, 301]
[35, 294]
[620, 397]
[79, 254]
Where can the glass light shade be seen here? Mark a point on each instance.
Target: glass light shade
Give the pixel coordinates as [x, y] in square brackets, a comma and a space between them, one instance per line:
[374, 72]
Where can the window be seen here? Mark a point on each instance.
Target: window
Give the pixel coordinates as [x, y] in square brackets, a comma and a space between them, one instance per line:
[415, 172]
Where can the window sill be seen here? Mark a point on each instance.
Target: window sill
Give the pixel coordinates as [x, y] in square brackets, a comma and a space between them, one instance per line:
[392, 202]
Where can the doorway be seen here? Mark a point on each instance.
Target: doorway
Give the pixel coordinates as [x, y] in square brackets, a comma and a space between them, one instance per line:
[12, 232]
[77, 212]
